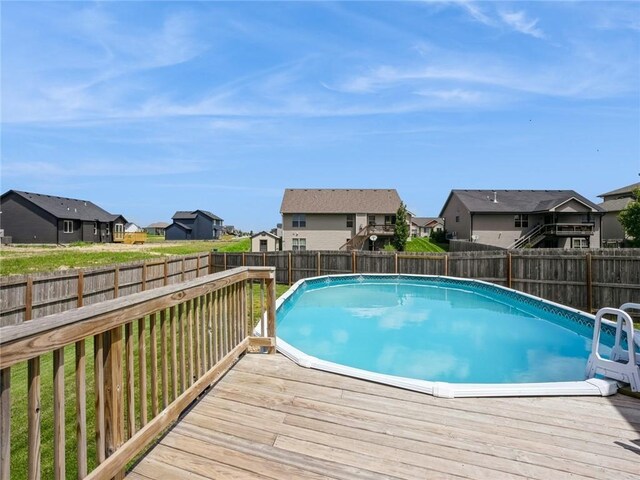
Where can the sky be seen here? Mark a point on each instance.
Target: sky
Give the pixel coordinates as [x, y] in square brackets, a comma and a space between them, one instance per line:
[146, 108]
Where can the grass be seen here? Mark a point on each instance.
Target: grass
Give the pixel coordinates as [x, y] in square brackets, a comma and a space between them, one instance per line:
[423, 244]
[11, 264]
[36, 259]
[19, 419]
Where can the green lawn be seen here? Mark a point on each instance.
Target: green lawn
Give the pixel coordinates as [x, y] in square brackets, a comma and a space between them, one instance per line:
[422, 244]
[17, 261]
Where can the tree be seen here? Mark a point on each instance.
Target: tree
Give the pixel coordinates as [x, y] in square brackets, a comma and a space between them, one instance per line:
[401, 233]
[630, 218]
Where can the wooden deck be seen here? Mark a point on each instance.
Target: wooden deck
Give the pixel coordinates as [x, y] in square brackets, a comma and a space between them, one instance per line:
[269, 418]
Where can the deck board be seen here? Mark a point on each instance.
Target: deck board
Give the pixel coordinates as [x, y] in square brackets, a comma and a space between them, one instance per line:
[269, 418]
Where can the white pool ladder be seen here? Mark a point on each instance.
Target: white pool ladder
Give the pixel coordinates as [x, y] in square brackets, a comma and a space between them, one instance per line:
[623, 364]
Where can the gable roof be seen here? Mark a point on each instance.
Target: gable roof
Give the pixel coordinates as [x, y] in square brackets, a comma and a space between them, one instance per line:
[265, 233]
[67, 208]
[615, 205]
[180, 225]
[158, 225]
[339, 200]
[517, 201]
[621, 191]
[187, 215]
[424, 221]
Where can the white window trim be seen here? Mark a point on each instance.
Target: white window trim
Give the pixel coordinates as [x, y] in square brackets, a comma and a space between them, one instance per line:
[66, 223]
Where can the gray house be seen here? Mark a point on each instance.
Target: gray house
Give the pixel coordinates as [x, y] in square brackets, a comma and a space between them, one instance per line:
[338, 219]
[157, 228]
[523, 218]
[613, 203]
[35, 218]
[194, 225]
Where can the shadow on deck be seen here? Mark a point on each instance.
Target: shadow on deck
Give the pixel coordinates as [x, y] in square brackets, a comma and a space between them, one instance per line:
[269, 418]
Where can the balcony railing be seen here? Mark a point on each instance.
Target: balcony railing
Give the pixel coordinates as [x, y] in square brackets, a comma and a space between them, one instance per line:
[152, 354]
[569, 229]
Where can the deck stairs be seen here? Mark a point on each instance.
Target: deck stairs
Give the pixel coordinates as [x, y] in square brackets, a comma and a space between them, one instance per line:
[358, 241]
[623, 363]
[531, 238]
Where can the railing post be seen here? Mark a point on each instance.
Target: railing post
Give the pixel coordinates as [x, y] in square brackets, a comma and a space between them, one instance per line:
[589, 284]
[271, 308]
[114, 411]
[5, 423]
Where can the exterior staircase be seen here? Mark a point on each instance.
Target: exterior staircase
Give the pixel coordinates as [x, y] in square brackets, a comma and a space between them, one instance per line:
[358, 240]
[531, 238]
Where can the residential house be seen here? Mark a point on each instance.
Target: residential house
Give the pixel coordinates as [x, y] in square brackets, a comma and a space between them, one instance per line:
[613, 203]
[194, 225]
[423, 226]
[265, 242]
[338, 219]
[157, 228]
[132, 228]
[523, 218]
[36, 218]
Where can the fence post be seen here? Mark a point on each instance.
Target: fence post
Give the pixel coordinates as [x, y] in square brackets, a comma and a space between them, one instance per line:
[289, 268]
[264, 259]
[271, 308]
[116, 280]
[509, 269]
[210, 269]
[395, 255]
[197, 265]
[318, 264]
[28, 299]
[244, 262]
[166, 272]
[80, 288]
[144, 276]
[354, 263]
[224, 266]
[589, 284]
[446, 264]
[114, 400]
[183, 268]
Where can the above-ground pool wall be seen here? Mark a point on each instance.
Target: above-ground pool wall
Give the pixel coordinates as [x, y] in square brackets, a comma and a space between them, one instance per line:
[584, 279]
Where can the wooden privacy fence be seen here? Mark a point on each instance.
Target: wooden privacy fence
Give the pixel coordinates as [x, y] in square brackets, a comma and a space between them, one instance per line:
[587, 280]
[26, 297]
[153, 353]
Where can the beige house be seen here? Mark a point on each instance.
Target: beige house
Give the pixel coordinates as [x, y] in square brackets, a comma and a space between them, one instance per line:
[523, 218]
[338, 219]
[423, 226]
[613, 203]
[265, 242]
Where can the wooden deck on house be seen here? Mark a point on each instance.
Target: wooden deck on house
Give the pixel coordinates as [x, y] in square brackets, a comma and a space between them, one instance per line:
[269, 418]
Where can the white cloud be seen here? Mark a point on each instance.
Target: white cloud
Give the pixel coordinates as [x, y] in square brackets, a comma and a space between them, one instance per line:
[520, 23]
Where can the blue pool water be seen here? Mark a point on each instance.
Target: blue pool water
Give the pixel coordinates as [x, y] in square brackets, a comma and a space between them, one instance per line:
[430, 330]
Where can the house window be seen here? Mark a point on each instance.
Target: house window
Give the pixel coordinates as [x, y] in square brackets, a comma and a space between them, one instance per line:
[350, 220]
[522, 221]
[457, 218]
[263, 245]
[67, 226]
[107, 229]
[95, 228]
[299, 244]
[579, 243]
[299, 220]
[371, 219]
[389, 219]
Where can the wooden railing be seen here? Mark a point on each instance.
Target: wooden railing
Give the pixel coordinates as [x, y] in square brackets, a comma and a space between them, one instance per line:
[153, 354]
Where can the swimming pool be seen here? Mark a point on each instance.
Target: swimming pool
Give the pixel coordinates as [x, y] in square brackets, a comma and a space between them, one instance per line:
[445, 336]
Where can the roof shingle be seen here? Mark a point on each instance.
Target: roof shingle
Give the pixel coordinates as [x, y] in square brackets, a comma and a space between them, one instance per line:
[339, 200]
